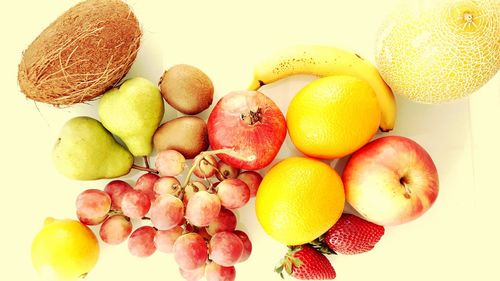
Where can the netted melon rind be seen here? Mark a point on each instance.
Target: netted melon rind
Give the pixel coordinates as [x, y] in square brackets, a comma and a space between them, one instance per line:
[426, 53]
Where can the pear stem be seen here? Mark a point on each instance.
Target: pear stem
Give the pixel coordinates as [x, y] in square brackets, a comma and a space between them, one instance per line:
[229, 151]
[146, 161]
[147, 169]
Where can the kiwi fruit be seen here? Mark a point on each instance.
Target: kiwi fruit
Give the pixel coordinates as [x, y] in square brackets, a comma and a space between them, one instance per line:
[187, 89]
[186, 134]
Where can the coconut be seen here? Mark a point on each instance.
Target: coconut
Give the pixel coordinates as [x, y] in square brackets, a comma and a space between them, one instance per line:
[83, 53]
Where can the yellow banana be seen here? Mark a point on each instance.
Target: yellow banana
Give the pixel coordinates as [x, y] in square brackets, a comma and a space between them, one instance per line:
[327, 61]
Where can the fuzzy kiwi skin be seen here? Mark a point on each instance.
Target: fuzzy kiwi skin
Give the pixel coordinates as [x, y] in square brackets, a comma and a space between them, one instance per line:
[187, 89]
[186, 134]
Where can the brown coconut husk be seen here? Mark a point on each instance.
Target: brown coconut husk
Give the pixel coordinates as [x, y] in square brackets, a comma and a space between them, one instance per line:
[85, 52]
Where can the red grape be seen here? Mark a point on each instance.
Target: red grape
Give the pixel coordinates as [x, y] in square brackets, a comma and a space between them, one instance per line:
[135, 204]
[202, 208]
[167, 185]
[92, 206]
[170, 163]
[191, 189]
[233, 193]
[226, 171]
[114, 230]
[167, 211]
[203, 232]
[225, 221]
[206, 167]
[116, 189]
[216, 272]
[145, 183]
[164, 239]
[190, 251]
[247, 245]
[189, 228]
[226, 248]
[252, 179]
[193, 275]
[141, 241]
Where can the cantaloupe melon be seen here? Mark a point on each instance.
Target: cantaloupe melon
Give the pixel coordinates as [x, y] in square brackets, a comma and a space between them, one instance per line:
[433, 51]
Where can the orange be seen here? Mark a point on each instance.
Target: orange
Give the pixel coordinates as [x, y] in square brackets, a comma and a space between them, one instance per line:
[299, 199]
[333, 117]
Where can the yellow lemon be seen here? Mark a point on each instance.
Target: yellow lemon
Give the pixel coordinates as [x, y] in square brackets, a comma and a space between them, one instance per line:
[64, 250]
[299, 199]
[333, 116]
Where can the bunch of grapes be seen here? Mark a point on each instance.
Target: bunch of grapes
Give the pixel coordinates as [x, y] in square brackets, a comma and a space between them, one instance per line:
[194, 220]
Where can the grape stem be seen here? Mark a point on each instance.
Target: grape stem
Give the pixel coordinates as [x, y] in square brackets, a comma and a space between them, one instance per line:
[229, 151]
[217, 170]
[147, 169]
[114, 212]
[205, 175]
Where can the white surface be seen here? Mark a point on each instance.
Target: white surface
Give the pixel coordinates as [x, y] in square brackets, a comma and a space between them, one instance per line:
[456, 240]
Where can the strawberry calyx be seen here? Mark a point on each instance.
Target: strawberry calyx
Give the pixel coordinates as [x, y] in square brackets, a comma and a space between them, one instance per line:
[288, 261]
[320, 245]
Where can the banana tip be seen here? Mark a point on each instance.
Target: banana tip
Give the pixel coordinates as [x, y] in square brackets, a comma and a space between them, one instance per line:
[385, 130]
[256, 84]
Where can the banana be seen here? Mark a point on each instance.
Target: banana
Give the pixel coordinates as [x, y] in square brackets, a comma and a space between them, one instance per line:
[327, 61]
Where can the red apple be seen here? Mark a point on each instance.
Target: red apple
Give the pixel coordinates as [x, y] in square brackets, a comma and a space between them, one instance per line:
[250, 123]
[391, 180]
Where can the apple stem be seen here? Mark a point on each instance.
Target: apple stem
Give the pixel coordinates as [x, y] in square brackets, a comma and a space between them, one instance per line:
[229, 151]
[147, 169]
[404, 183]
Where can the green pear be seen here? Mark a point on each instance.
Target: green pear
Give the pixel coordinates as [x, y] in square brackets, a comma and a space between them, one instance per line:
[133, 112]
[85, 150]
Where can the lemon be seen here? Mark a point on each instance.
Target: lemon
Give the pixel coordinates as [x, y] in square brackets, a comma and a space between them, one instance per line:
[434, 51]
[64, 250]
[299, 199]
[333, 116]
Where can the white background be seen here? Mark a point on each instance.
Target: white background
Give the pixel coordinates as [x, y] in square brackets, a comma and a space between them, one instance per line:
[456, 240]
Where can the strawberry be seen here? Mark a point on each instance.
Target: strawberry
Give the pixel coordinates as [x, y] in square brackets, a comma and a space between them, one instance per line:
[306, 263]
[352, 235]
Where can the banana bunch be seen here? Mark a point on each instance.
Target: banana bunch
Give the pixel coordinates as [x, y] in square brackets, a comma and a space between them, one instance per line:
[327, 61]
